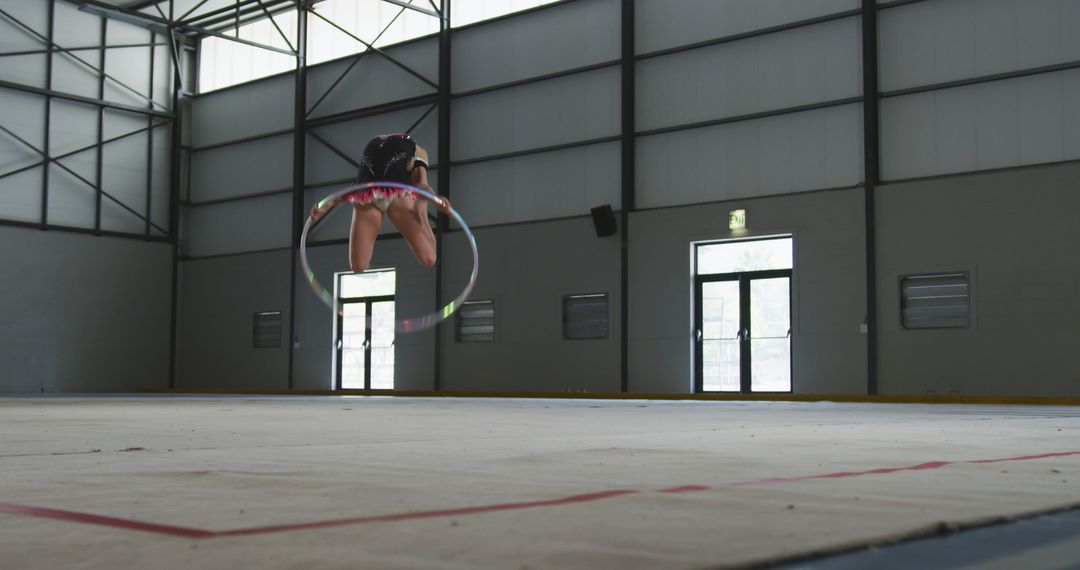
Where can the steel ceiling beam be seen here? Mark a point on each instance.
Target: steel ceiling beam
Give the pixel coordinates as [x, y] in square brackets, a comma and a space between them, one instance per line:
[409, 6]
[154, 22]
[71, 49]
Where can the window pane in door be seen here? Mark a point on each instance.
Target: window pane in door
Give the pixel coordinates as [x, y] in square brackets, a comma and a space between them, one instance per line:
[720, 364]
[382, 345]
[770, 335]
[369, 284]
[353, 325]
[739, 256]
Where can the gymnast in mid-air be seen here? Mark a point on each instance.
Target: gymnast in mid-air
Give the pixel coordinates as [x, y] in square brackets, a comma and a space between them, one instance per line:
[389, 158]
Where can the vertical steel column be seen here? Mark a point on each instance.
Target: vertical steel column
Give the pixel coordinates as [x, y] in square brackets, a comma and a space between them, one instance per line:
[628, 183]
[150, 142]
[175, 164]
[444, 174]
[871, 166]
[101, 124]
[48, 115]
[299, 162]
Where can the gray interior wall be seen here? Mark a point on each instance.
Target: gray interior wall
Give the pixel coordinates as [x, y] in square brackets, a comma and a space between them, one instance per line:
[1016, 233]
[83, 314]
[658, 26]
[527, 269]
[828, 291]
[522, 47]
[765, 164]
[218, 298]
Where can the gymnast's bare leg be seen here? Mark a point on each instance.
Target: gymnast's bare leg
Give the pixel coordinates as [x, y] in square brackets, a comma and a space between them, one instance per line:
[409, 216]
[366, 221]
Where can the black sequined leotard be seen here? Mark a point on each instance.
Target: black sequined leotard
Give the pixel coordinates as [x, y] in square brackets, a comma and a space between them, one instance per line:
[386, 158]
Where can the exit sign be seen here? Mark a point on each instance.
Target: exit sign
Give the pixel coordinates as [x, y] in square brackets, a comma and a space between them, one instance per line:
[737, 220]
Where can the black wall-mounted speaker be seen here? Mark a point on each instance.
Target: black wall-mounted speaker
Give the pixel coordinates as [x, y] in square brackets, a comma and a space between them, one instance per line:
[604, 220]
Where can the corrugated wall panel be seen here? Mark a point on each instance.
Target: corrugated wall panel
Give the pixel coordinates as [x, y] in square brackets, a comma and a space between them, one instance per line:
[71, 201]
[24, 115]
[947, 40]
[159, 201]
[564, 110]
[232, 227]
[252, 109]
[1007, 123]
[129, 65]
[124, 177]
[25, 69]
[799, 67]
[242, 169]
[375, 79]
[163, 72]
[20, 196]
[662, 24]
[547, 41]
[73, 28]
[776, 155]
[538, 186]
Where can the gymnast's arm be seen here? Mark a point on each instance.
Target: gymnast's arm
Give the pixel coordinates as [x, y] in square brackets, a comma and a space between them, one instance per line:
[419, 174]
[320, 208]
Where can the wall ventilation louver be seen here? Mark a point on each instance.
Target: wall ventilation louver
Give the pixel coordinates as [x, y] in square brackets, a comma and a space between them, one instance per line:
[935, 301]
[585, 316]
[475, 322]
[266, 329]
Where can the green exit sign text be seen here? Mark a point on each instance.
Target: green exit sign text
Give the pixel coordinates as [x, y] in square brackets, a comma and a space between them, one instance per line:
[737, 220]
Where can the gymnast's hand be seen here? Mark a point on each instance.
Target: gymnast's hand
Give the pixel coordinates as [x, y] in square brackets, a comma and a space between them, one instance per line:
[320, 209]
[443, 205]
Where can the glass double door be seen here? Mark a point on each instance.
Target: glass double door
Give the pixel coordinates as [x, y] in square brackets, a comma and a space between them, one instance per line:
[365, 344]
[743, 332]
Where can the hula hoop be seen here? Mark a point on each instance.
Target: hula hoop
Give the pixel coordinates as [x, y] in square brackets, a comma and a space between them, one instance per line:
[412, 324]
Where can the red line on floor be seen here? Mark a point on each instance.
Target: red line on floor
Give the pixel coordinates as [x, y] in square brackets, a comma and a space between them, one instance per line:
[431, 514]
[845, 474]
[99, 520]
[1027, 457]
[685, 489]
[185, 532]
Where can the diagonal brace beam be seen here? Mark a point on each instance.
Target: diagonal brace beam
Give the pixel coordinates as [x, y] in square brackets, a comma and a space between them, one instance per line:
[93, 186]
[83, 149]
[108, 10]
[390, 58]
[355, 61]
[81, 48]
[409, 6]
[276, 27]
[333, 148]
[45, 40]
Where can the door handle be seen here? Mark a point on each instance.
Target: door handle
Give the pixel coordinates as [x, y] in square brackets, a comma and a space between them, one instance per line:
[698, 334]
[339, 344]
[366, 345]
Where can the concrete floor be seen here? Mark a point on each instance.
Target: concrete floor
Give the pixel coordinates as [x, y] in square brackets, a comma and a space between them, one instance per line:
[323, 482]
